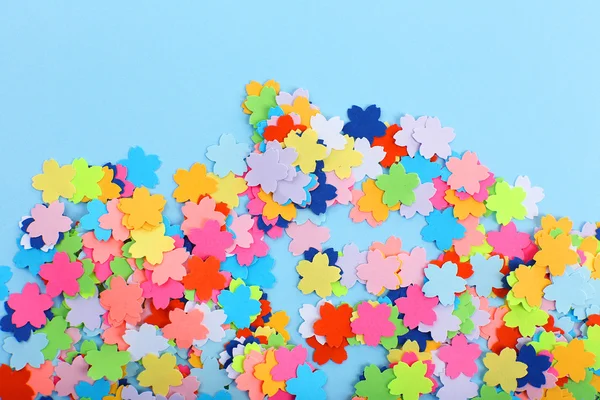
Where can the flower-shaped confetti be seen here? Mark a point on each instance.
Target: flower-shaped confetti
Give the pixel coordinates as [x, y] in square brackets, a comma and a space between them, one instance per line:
[112, 299]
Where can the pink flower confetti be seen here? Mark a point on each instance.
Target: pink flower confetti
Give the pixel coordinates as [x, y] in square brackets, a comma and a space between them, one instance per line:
[49, 222]
[373, 322]
[210, 241]
[460, 357]
[29, 306]
[417, 308]
[306, 236]
[379, 272]
[467, 172]
[62, 275]
[508, 241]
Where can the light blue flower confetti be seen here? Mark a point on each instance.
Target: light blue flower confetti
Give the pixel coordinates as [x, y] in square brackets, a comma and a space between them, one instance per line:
[443, 282]
[229, 156]
[26, 353]
[141, 168]
[308, 385]
[89, 222]
[442, 228]
[212, 377]
[486, 274]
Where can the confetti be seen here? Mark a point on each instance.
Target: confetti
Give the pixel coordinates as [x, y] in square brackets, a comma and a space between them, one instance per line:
[122, 303]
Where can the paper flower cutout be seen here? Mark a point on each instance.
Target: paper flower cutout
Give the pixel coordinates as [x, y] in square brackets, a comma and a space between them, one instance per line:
[229, 189]
[151, 244]
[58, 338]
[287, 362]
[442, 228]
[185, 327]
[171, 267]
[317, 275]
[433, 139]
[95, 391]
[123, 301]
[55, 181]
[86, 180]
[27, 352]
[460, 388]
[193, 184]
[329, 131]
[466, 172]
[348, 262]
[486, 274]
[412, 270]
[416, 307]
[86, 311]
[142, 210]
[392, 151]
[228, 156]
[146, 340]
[376, 382]
[112, 221]
[262, 371]
[197, 214]
[308, 149]
[533, 195]
[503, 369]
[210, 241]
[61, 275]
[204, 277]
[141, 168]
[490, 393]
[555, 253]
[410, 381]
[343, 161]
[508, 241]
[379, 272]
[425, 168]
[308, 385]
[29, 306]
[373, 323]
[213, 321]
[568, 290]
[283, 125]
[507, 202]
[212, 378]
[96, 209]
[371, 159]
[530, 284]
[107, 362]
[404, 137]
[41, 379]
[302, 107]
[310, 314]
[365, 123]
[422, 205]
[460, 357]
[239, 306]
[398, 186]
[445, 322]
[160, 373]
[305, 236]
[49, 222]
[70, 375]
[536, 366]
[443, 282]
[334, 323]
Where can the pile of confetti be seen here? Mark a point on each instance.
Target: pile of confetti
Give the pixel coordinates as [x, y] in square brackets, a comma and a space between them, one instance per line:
[124, 304]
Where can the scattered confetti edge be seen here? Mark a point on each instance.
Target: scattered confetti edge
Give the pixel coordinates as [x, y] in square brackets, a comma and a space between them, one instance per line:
[124, 304]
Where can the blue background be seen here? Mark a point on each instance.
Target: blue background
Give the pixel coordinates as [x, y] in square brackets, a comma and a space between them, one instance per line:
[517, 80]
